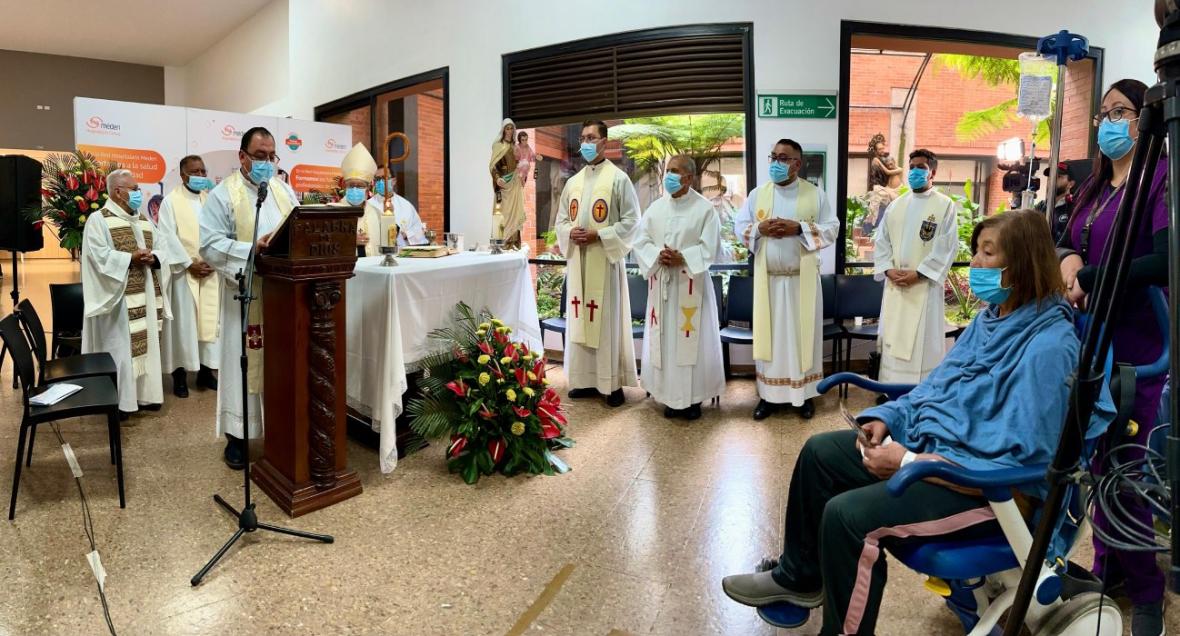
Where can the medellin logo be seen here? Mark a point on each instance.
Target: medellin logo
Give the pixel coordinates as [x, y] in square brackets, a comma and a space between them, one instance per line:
[97, 124]
[229, 132]
[293, 142]
[331, 145]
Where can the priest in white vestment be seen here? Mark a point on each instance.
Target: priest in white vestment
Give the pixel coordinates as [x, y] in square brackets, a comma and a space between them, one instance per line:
[403, 219]
[596, 222]
[914, 248]
[227, 229]
[190, 338]
[122, 292]
[676, 243]
[785, 223]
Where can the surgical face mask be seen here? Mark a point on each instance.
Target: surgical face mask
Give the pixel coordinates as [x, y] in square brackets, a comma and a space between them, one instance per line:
[589, 151]
[380, 187]
[672, 183]
[261, 171]
[779, 172]
[1114, 138]
[987, 285]
[134, 199]
[199, 184]
[918, 178]
[354, 196]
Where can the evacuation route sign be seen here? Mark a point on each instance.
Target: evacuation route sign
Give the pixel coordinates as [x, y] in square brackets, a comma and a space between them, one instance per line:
[810, 106]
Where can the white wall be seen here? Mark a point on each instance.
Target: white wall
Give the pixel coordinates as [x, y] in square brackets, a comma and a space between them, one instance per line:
[248, 71]
[344, 47]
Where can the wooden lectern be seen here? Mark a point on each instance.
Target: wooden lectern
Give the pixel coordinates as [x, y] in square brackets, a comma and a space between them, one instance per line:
[304, 466]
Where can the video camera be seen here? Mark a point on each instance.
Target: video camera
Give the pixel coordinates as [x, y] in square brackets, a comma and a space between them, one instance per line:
[1016, 175]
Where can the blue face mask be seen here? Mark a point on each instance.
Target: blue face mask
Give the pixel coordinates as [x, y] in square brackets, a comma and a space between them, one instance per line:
[354, 196]
[672, 183]
[200, 184]
[134, 199]
[918, 178]
[589, 151]
[1114, 138]
[261, 171]
[779, 172]
[987, 285]
[380, 187]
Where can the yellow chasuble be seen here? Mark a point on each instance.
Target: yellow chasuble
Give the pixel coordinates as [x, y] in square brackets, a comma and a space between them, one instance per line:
[586, 299]
[243, 206]
[205, 291]
[135, 293]
[806, 210]
[902, 308]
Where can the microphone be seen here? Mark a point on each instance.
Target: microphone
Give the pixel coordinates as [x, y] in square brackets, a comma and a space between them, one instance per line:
[262, 192]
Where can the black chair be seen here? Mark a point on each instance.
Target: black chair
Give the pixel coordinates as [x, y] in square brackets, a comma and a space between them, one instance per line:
[739, 308]
[718, 295]
[637, 294]
[557, 323]
[86, 365]
[68, 309]
[833, 330]
[97, 397]
[859, 297]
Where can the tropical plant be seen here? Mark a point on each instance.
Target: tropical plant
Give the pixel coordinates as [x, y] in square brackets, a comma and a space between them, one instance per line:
[73, 186]
[976, 124]
[856, 210]
[492, 397]
[650, 141]
[962, 303]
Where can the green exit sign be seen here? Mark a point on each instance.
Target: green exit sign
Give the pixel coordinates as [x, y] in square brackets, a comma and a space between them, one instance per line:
[809, 106]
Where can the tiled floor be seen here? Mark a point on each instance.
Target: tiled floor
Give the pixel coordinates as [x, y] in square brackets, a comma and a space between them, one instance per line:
[652, 516]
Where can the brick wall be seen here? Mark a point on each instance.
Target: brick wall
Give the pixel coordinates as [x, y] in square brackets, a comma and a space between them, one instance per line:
[431, 192]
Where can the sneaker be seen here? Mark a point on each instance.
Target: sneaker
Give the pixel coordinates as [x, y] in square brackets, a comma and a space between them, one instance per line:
[760, 589]
[1148, 620]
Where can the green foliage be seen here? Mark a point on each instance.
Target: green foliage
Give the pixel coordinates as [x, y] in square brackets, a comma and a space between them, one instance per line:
[995, 71]
[549, 282]
[962, 304]
[550, 238]
[73, 186]
[856, 210]
[977, 124]
[650, 141]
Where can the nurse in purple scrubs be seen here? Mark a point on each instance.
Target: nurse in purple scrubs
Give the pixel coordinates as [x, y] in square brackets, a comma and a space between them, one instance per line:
[1137, 338]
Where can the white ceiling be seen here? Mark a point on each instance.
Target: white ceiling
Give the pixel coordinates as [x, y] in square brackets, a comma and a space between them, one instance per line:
[153, 32]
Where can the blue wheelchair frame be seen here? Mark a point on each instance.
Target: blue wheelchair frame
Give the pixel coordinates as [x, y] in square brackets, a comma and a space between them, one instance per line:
[978, 578]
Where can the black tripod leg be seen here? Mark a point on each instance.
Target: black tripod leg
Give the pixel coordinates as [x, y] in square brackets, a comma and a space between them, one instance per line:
[230, 509]
[196, 580]
[322, 538]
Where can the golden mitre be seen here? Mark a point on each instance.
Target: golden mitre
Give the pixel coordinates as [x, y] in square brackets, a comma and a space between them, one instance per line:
[359, 164]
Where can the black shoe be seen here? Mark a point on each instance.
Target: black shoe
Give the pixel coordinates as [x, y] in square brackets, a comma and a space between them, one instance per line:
[1148, 620]
[150, 407]
[180, 383]
[233, 455]
[616, 398]
[579, 394]
[764, 410]
[692, 413]
[206, 379]
[807, 411]
[670, 412]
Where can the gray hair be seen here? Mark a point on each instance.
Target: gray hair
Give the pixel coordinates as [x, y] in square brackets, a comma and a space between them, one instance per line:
[685, 162]
[116, 178]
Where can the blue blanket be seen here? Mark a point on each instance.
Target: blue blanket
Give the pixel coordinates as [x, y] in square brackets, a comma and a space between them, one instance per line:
[999, 398]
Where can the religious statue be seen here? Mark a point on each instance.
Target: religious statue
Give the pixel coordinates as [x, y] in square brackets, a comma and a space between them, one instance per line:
[508, 210]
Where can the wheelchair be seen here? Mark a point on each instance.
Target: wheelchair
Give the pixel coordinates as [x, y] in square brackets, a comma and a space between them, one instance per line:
[978, 578]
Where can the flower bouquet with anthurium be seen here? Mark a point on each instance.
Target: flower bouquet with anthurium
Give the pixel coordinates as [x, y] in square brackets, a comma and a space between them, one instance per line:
[490, 397]
[73, 186]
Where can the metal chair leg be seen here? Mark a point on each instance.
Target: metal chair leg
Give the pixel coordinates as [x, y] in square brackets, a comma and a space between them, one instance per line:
[725, 360]
[20, 451]
[32, 438]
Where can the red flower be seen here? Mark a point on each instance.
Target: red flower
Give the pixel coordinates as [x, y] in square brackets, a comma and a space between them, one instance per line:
[458, 443]
[485, 413]
[92, 195]
[550, 396]
[87, 177]
[539, 369]
[496, 448]
[510, 350]
[83, 206]
[460, 355]
[521, 412]
[549, 430]
[458, 388]
[548, 414]
[485, 347]
[520, 378]
[101, 184]
[46, 193]
[501, 338]
[72, 182]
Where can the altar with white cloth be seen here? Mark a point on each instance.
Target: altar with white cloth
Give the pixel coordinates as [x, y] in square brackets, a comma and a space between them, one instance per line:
[392, 310]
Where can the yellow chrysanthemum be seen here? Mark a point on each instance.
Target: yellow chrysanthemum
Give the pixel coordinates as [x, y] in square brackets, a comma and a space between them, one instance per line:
[545, 381]
[518, 428]
[481, 332]
[505, 360]
[529, 392]
[82, 219]
[497, 322]
[484, 325]
[511, 395]
[483, 358]
[531, 376]
[484, 378]
[93, 206]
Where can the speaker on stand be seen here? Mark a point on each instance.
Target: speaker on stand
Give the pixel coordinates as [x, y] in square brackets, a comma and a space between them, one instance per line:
[20, 189]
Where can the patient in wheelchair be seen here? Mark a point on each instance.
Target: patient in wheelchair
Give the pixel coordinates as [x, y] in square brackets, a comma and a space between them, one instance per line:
[997, 401]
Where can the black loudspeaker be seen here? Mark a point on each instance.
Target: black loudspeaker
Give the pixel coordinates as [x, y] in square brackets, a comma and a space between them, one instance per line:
[20, 189]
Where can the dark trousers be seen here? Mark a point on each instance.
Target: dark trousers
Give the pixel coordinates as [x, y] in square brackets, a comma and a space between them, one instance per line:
[839, 517]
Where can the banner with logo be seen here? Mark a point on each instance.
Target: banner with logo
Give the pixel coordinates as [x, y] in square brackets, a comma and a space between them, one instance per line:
[150, 139]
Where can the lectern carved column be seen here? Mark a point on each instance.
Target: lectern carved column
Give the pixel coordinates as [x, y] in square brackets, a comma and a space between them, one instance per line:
[321, 381]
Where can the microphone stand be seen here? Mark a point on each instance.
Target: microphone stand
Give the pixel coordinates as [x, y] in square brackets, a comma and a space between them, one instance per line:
[248, 518]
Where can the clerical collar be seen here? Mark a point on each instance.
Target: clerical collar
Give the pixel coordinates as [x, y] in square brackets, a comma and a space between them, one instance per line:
[792, 184]
[924, 194]
[595, 167]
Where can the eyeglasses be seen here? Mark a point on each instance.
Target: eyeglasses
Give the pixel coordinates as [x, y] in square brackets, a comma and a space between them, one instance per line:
[262, 156]
[782, 158]
[589, 140]
[1115, 115]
